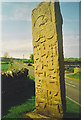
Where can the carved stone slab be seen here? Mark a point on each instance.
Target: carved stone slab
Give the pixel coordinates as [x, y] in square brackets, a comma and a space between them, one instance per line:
[48, 59]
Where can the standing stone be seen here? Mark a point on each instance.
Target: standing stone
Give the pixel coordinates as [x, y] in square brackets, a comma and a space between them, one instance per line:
[48, 59]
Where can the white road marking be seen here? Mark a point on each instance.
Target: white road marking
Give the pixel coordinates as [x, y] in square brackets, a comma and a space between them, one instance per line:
[73, 101]
[73, 85]
[70, 85]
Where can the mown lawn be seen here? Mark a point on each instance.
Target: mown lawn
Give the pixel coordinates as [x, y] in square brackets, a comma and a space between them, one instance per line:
[76, 75]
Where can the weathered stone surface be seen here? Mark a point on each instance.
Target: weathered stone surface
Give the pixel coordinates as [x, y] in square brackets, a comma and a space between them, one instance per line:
[33, 116]
[48, 59]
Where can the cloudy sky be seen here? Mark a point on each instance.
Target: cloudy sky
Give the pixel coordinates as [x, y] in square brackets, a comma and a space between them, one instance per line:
[16, 28]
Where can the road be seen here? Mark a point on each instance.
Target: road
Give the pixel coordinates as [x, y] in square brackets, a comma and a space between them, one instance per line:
[73, 87]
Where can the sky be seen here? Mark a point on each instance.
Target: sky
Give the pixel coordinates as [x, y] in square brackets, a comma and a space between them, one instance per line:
[16, 28]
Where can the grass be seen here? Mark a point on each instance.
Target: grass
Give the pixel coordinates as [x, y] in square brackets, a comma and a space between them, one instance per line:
[29, 105]
[3, 62]
[75, 75]
[72, 107]
[73, 59]
[68, 71]
[5, 67]
[31, 77]
[18, 111]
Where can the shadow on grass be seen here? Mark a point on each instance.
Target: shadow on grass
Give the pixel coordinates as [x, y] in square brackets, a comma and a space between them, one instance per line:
[15, 92]
[71, 115]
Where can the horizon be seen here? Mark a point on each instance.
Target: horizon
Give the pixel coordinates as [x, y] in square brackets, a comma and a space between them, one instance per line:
[29, 58]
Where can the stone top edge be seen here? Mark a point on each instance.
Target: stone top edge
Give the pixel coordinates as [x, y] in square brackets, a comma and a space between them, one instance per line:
[41, 4]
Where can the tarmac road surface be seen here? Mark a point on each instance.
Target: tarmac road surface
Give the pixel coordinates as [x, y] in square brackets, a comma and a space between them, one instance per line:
[73, 89]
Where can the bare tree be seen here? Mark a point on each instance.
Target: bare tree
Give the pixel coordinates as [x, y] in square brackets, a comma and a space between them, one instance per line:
[32, 58]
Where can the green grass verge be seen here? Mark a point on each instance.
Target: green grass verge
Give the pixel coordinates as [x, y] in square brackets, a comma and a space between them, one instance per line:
[5, 67]
[18, 111]
[72, 107]
[73, 59]
[76, 75]
[3, 62]
[31, 77]
[68, 71]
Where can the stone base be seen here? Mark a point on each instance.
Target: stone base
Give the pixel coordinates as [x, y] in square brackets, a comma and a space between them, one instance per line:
[34, 115]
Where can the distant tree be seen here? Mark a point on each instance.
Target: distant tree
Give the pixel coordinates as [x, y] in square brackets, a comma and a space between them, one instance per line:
[32, 58]
[5, 54]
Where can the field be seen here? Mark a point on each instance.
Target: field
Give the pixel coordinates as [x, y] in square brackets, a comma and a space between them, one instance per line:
[7, 64]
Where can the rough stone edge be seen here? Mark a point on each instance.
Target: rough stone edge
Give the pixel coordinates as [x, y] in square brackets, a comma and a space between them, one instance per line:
[33, 115]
